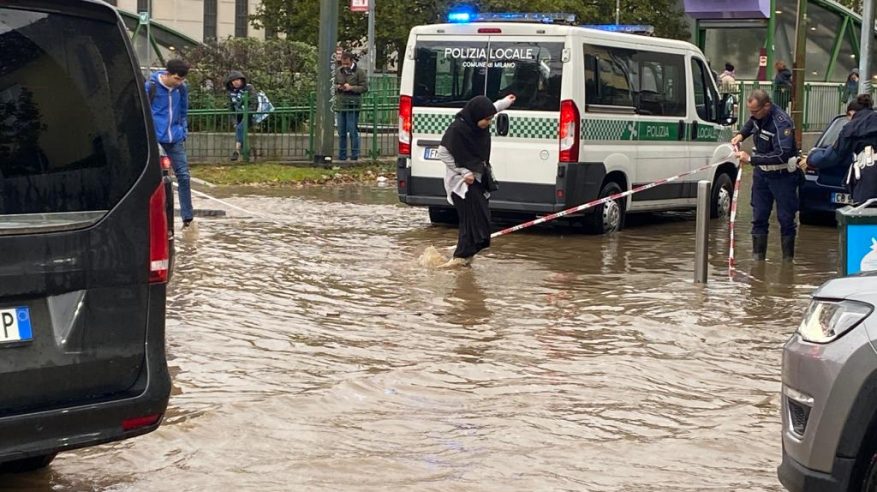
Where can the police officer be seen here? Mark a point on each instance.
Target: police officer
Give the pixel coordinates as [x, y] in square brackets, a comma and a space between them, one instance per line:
[773, 179]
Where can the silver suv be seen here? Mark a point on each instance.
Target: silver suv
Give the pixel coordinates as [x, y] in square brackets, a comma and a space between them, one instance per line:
[829, 394]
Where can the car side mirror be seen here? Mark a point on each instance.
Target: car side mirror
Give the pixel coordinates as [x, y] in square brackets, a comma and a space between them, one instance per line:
[728, 110]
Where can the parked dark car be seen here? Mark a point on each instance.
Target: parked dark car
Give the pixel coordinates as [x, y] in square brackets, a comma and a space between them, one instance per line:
[829, 392]
[825, 190]
[84, 235]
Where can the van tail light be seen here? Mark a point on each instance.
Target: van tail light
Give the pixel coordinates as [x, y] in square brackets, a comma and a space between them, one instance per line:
[140, 422]
[405, 125]
[165, 162]
[159, 247]
[569, 131]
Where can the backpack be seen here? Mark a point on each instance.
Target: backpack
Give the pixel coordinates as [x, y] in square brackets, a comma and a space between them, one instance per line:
[263, 108]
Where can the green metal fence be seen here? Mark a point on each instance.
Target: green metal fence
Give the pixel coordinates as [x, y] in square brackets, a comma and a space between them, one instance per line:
[287, 134]
[822, 102]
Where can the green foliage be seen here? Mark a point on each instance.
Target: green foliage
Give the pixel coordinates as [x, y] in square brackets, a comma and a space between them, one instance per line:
[296, 18]
[285, 69]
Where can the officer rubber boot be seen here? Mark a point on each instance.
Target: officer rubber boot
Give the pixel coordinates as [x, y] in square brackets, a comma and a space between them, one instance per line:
[788, 248]
[759, 246]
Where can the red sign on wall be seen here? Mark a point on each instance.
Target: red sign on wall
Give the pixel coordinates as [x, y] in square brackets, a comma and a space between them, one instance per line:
[359, 5]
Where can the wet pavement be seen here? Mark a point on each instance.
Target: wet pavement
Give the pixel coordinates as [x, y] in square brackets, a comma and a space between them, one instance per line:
[312, 353]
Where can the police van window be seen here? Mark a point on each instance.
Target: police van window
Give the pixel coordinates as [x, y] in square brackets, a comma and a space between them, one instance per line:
[659, 83]
[706, 97]
[529, 70]
[449, 73]
[607, 77]
[72, 131]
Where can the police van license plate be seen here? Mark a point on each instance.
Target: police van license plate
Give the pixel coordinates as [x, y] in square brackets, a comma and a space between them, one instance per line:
[430, 153]
[15, 325]
[843, 198]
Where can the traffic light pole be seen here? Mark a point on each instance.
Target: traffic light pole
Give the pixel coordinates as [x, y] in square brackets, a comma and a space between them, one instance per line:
[324, 145]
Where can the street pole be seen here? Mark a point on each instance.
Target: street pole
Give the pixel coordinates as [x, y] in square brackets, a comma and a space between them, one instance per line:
[799, 71]
[617, 11]
[771, 34]
[865, 45]
[372, 56]
[324, 145]
[702, 232]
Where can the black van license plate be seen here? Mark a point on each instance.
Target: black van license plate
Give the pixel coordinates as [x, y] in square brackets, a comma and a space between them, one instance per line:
[15, 325]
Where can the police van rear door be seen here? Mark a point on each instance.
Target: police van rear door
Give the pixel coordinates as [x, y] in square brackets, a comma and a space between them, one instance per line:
[452, 69]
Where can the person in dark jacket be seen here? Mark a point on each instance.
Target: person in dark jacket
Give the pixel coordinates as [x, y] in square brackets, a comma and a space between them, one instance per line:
[236, 85]
[782, 85]
[350, 84]
[773, 179]
[859, 133]
[465, 150]
[169, 102]
[851, 87]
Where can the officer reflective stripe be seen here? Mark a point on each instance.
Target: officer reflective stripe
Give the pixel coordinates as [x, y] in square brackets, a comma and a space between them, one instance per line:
[773, 167]
[769, 134]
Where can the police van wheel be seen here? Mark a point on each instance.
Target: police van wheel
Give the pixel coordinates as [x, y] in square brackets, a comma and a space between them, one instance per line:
[608, 217]
[439, 215]
[723, 191]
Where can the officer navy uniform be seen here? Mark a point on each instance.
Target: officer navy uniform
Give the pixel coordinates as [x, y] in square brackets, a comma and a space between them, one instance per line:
[774, 179]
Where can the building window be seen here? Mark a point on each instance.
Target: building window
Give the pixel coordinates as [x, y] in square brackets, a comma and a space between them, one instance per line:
[209, 20]
[142, 5]
[241, 18]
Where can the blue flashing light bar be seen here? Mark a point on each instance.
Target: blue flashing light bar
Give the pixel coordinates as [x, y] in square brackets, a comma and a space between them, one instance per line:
[627, 28]
[464, 16]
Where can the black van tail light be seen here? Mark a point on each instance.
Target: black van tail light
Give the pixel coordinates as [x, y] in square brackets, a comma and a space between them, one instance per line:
[159, 247]
[569, 131]
[405, 117]
[140, 422]
[165, 162]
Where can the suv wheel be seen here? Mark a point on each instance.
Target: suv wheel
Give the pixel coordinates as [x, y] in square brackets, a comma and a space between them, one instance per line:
[27, 464]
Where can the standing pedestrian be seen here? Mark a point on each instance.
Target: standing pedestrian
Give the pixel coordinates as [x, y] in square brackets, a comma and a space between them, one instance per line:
[350, 84]
[851, 149]
[773, 179]
[851, 88]
[236, 85]
[169, 101]
[728, 79]
[465, 150]
[782, 85]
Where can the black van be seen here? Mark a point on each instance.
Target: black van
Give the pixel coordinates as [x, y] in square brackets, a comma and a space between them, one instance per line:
[84, 240]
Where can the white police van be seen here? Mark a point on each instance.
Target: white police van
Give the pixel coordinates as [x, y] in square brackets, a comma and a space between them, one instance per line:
[597, 112]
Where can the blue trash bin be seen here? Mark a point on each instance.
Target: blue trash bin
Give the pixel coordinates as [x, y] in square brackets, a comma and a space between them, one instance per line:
[857, 227]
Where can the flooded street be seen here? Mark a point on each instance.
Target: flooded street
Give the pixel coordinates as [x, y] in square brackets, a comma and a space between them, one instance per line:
[317, 355]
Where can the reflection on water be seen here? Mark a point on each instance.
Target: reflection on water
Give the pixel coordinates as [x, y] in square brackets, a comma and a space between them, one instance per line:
[314, 353]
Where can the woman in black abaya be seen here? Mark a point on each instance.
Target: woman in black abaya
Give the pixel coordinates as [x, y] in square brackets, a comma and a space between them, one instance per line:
[465, 150]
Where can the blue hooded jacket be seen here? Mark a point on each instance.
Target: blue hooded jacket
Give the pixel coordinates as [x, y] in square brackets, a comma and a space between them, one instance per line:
[170, 109]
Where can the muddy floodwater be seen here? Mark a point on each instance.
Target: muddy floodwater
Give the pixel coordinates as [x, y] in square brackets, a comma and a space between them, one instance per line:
[313, 353]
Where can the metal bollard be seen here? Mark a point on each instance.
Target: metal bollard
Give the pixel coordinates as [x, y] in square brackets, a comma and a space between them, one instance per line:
[702, 234]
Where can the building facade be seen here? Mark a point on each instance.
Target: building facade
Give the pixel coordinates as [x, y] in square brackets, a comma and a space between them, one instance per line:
[201, 20]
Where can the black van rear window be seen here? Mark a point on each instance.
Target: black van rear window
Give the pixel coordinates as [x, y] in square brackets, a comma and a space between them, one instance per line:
[449, 73]
[72, 132]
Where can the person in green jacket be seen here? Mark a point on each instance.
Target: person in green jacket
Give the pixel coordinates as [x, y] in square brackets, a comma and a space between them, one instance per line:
[350, 84]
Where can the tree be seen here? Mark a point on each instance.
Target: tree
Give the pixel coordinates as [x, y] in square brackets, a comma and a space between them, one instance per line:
[394, 19]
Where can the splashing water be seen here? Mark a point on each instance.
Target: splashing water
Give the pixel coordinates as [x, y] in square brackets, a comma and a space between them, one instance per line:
[431, 258]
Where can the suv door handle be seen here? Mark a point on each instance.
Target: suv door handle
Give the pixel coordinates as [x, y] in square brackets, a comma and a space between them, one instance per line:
[502, 124]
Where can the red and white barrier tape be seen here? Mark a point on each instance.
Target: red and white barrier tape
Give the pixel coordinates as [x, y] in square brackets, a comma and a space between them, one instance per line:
[733, 220]
[600, 201]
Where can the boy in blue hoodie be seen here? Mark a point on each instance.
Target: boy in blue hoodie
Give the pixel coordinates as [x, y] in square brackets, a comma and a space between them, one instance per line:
[169, 99]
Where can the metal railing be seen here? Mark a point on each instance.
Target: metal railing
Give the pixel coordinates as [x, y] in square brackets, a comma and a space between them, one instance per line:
[287, 132]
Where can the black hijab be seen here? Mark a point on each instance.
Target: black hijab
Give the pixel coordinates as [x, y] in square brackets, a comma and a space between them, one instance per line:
[469, 144]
